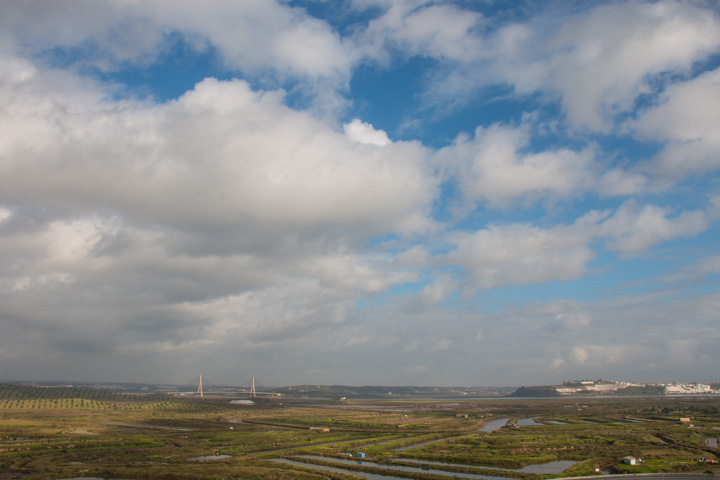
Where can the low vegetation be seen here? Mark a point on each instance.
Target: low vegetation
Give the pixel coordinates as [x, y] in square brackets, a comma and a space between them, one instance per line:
[51, 433]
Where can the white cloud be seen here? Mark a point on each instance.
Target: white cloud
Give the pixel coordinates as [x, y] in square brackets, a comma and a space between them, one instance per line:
[266, 40]
[154, 162]
[353, 272]
[112, 32]
[618, 182]
[226, 229]
[493, 168]
[590, 357]
[4, 214]
[72, 242]
[53, 279]
[569, 321]
[521, 254]
[361, 132]
[687, 121]
[694, 272]
[283, 311]
[250, 35]
[600, 60]
[578, 355]
[434, 292]
[415, 255]
[223, 216]
[428, 344]
[633, 229]
[420, 28]
[313, 175]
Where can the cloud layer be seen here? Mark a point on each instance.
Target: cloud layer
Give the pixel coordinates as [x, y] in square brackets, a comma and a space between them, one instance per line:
[262, 223]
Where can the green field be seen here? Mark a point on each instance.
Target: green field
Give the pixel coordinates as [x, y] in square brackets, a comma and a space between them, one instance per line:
[63, 433]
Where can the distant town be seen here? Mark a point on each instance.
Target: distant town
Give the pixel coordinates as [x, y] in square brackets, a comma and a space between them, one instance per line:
[608, 387]
[567, 388]
[603, 386]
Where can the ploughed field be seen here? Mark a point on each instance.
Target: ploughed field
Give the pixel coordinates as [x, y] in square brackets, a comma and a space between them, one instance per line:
[62, 433]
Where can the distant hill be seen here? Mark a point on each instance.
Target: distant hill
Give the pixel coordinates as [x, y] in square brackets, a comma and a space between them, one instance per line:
[538, 391]
[371, 391]
[26, 392]
[644, 390]
[35, 392]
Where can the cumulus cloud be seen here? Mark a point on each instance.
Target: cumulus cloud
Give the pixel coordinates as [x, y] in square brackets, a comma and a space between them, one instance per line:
[601, 60]
[618, 182]
[687, 122]
[598, 61]
[251, 36]
[436, 291]
[442, 31]
[145, 300]
[154, 162]
[594, 348]
[521, 254]
[353, 272]
[495, 167]
[571, 320]
[215, 217]
[633, 229]
[578, 355]
[235, 225]
[362, 132]
[415, 255]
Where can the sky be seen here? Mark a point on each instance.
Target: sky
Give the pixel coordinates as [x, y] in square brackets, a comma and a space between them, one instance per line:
[360, 192]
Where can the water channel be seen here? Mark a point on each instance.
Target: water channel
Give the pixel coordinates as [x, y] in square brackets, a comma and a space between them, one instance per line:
[553, 468]
[210, 458]
[90, 478]
[157, 427]
[528, 422]
[399, 468]
[369, 476]
[284, 449]
[494, 425]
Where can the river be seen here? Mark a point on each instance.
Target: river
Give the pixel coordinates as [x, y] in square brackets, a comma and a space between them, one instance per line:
[494, 425]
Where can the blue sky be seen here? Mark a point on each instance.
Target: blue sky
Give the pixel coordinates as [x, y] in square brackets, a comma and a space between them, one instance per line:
[360, 192]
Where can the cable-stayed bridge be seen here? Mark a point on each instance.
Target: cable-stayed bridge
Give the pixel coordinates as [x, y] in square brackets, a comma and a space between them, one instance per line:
[202, 386]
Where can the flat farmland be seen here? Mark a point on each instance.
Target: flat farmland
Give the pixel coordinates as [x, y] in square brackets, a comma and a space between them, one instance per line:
[49, 433]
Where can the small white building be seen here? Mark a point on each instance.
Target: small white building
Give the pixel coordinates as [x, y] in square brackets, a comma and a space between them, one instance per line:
[630, 460]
